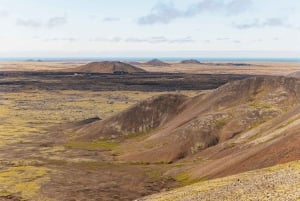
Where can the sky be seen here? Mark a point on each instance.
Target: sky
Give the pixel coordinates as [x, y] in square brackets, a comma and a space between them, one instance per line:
[135, 28]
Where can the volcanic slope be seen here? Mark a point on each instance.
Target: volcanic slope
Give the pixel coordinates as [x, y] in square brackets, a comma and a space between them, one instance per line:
[295, 74]
[157, 62]
[106, 67]
[243, 125]
[280, 182]
[190, 61]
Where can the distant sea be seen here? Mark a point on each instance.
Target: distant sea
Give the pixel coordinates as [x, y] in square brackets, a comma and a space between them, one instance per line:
[171, 59]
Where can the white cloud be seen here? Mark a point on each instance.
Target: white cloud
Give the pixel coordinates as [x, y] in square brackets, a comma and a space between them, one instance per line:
[160, 39]
[111, 19]
[56, 21]
[68, 39]
[34, 23]
[3, 12]
[28, 23]
[102, 39]
[154, 39]
[165, 13]
[270, 22]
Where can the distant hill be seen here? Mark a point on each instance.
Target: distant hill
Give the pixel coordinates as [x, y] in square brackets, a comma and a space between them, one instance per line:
[294, 74]
[157, 62]
[107, 67]
[134, 63]
[190, 61]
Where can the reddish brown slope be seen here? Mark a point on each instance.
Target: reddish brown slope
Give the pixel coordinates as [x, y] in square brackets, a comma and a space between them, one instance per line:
[141, 118]
[157, 62]
[225, 160]
[216, 117]
[240, 126]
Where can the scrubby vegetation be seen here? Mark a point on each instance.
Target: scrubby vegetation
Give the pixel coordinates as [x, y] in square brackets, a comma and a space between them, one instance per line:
[22, 180]
[27, 115]
[52, 146]
[280, 182]
[99, 144]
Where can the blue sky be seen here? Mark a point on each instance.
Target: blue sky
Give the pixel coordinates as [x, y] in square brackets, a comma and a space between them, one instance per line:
[87, 28]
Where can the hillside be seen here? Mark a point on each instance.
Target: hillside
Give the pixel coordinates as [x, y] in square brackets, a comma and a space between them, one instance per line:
[143, 117]
[190, 61]
[119, 139]
[106, 67]
[280, 182]
[294, 74]
[253, 122]
[157, 62]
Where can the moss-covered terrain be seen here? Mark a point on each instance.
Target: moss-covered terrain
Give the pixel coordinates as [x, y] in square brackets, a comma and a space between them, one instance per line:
[28, 166]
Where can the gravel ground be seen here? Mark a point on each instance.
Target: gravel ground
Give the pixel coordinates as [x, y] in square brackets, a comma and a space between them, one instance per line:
[281, 182]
